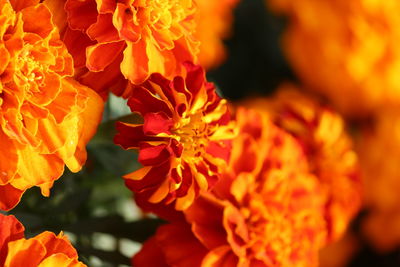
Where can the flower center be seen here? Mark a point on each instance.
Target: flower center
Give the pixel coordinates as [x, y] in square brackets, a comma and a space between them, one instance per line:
[29, 71]
[161, 14]
[192, 133]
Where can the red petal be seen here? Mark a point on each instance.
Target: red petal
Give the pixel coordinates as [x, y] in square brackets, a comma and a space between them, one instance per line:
[155, 123]
[10, 229]
[76, 43]
[153, 155]
[103, 30]
[150, 255]
[9, 197]
[144, 102]
[128, 136]
[81, 14]
[151, 181]
[100, 55]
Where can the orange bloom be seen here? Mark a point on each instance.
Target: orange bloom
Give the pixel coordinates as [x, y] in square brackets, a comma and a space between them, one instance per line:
[153, 36]
[379, 150]
[183, 140]
[214, 21]
[328, 148]
[265, 211]
[42, 110]
[43, 250]
[347, 50]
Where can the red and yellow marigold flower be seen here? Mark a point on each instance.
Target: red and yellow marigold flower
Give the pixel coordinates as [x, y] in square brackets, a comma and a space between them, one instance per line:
[322, 134]
[214, 20]
[43, 250]
[265, 210]
[183, 140]
[140, 36]
[379, 150]
[42, 110]
[347, 50]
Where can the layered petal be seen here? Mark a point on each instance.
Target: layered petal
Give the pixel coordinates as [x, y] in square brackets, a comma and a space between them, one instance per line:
[266, 210]
[142, 37]
[183, 141]
[42, 109]
[45, 249]
[329, 150]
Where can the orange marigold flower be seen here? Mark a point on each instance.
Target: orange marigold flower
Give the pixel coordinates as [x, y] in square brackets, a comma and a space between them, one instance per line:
[153, 36]
[347, 50]
[379, 150]
[183, 140]
[214, 21]
[42, 110]
[265, 211]
[329, 150]
[43, 250]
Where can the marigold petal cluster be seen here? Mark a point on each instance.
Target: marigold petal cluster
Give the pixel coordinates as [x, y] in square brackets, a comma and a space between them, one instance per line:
[214, 20]
[135, 37]
[43, 250]
[183, 141]
[329, 150]
[265, 211]
[42, 109]
[347, 50]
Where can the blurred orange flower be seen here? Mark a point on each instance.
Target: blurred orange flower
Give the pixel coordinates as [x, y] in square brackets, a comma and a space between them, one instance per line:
[153, 36]
[265, 211]
[379, 149]
[42, 110]
[183, 140]
[214, 20]
[43, 250]
[329, 149]
[347, 50]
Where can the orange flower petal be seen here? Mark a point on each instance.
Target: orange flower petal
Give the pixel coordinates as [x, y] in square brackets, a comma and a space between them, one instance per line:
[24, 252]
[60, 260]
[101, 55]
[10, 229]
[9, 196]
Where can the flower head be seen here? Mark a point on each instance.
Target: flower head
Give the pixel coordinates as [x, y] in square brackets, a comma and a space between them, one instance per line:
[347, 50]
[265, 210]
[153, 36]
[183, 140]
[44, 250]
[42, 110]
[329, 149]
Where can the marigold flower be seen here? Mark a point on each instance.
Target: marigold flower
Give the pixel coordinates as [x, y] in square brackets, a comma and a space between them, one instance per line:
[379, 150]
[265, 211]
[214, 21]
[153, 36]
[329, 150]
[43, 250]
[183, 140]
[42, 110]
[347, 50]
